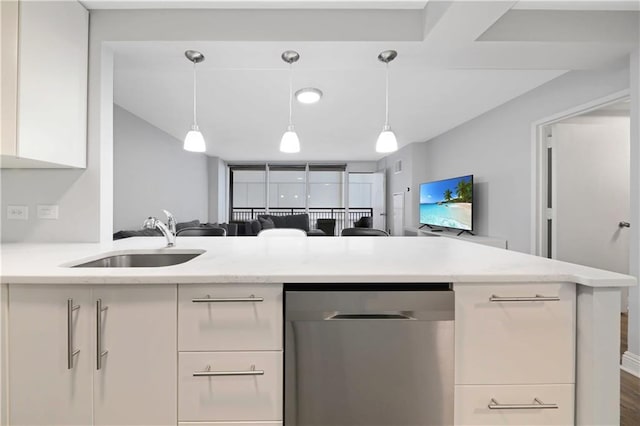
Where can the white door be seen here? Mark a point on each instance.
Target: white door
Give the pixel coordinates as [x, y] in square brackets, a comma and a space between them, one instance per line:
[378, 201]
[591, 198]
[136, 383]
[398, 214]
[44, 332]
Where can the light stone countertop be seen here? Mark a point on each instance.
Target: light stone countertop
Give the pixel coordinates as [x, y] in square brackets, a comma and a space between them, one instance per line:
[298, 260]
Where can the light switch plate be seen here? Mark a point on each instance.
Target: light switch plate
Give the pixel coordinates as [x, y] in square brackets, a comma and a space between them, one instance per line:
[17, 212]
[47, 211]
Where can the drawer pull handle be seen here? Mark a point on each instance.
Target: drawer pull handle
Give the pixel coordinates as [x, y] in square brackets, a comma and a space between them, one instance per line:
[209, 373]
[71, 352]
[536, 298]
[208, 299]
[100, 353]
[537, 404]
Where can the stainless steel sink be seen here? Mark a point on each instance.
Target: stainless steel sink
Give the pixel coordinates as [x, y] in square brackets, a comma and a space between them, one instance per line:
[141, 260]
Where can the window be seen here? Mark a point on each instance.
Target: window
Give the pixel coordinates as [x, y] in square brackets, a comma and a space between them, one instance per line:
[326, 186]
[248, 192]
[287, 187]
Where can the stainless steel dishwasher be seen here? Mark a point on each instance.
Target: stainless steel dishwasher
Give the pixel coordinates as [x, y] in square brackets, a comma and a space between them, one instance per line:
[369, 355]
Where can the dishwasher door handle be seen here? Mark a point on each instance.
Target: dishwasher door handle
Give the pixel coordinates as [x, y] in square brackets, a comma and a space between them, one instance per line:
[400, 315]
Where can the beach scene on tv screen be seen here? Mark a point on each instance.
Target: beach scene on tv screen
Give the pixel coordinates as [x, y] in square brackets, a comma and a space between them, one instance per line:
[447, 203]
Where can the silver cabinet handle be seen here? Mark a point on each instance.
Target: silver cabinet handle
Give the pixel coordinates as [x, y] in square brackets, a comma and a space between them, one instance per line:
[99, 352]
[208, 299]
[209, 373]
[624, 225]
[537, 404]
[536, 298]
[71, 352]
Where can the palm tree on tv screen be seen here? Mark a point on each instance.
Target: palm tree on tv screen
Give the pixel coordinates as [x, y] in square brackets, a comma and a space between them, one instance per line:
[463, 190]
[447, 195]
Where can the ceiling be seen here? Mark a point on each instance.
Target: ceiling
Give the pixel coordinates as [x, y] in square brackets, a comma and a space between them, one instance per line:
[469, 61]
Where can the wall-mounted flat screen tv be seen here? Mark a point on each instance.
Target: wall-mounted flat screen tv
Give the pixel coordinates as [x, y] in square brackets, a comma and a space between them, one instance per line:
[447, 203]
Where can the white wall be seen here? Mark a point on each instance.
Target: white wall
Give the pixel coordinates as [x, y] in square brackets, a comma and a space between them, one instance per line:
[152, 172]
[496, 148]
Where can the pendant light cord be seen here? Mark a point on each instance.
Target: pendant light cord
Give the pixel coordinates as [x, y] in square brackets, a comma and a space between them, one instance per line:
[290, 92]
[386, 97]
[195, 120]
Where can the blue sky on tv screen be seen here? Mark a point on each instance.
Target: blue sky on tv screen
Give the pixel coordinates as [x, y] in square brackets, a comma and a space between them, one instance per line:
[433, 192]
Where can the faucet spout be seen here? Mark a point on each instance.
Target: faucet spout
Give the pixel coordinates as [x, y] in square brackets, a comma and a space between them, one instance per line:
[169, 231]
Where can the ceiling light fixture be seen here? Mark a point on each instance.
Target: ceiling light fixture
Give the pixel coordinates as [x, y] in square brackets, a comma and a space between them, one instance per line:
[387, 141]
[308, 95]
[290, 142]
[194, 141]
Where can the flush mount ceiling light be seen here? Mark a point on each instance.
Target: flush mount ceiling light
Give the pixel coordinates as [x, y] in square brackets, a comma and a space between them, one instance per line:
[308, 95]
[387, 141]
[290, 143]
[194, 141]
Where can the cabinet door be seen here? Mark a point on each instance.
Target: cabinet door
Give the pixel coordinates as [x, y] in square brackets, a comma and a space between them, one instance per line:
[52, 93]
[43, 389]
[136, 381]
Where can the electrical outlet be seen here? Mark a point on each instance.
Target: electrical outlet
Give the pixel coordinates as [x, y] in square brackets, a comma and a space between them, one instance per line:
[47, 211]
[17, 212]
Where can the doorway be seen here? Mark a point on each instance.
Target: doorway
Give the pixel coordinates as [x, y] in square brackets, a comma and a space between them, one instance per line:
[586, 175]
[398, 214]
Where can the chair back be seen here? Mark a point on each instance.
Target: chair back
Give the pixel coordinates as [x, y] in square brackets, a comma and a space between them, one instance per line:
[364, 222]
[328, 226]
[282, 232]
[202, 232]
[363, 232]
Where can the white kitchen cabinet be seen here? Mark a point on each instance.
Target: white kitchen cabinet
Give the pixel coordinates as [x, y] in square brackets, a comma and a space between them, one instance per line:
[230, 424]
[515, 333]
[230, 386]
[229, 317]
[136, 384]
[43, 389]
[514, 405]
[136, 381]
[44, 84]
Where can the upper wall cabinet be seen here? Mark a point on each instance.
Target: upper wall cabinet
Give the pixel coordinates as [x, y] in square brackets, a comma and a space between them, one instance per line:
[44, 84]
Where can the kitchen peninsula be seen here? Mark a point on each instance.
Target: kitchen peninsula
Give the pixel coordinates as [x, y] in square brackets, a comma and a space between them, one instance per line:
[529, 331]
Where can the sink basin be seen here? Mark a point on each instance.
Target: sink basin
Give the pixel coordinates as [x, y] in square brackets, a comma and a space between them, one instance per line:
[140, 260]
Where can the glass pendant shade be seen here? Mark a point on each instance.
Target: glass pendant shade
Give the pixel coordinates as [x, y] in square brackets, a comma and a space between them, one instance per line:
[387, 141]
[290, 143]
[194, 141]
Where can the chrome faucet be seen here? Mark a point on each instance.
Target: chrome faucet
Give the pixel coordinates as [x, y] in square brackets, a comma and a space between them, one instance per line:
[169, 230]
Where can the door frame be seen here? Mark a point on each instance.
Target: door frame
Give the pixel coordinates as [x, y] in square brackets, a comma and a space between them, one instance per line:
[539, 163]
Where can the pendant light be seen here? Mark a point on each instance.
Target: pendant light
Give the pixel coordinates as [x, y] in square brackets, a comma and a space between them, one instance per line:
[387, 141]
[194, 141]
[290, 143]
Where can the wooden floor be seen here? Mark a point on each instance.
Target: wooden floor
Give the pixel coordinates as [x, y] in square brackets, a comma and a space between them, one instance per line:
[629, 385]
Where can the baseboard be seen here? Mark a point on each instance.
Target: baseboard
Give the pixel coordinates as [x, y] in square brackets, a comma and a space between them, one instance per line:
[631, 363]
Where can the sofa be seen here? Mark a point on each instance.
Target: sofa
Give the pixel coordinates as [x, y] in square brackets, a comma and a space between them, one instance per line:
[230, 229]
[266, 221]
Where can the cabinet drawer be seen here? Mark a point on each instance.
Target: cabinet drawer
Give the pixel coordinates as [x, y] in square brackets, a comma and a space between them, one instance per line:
[224, 317]
[230, 424]
[472, 405]
[502, 338]
[243, 386]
